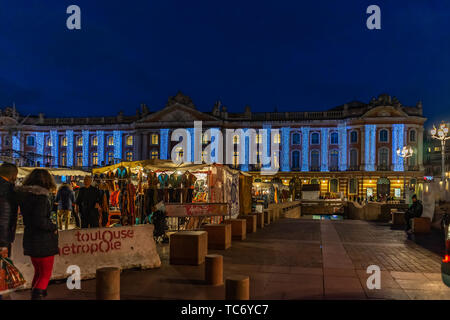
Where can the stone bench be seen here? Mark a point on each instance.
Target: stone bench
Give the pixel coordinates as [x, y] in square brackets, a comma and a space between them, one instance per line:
[251, 221]
[421, 225]
[188, 247]
[219, 236]
[267, 216]
[238, 228]
[259, 219]
[398, 218]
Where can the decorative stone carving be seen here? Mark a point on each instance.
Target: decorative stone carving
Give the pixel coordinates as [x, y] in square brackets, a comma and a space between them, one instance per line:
[180, 98]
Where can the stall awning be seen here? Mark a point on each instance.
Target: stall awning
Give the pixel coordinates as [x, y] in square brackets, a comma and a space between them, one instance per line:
[24, 171]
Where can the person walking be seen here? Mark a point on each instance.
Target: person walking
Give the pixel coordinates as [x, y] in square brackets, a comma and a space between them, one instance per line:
[88, 202]
[40, 238]
[8, 209]
[65, 198]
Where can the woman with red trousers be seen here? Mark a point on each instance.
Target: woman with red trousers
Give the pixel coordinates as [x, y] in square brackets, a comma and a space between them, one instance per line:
[40, 239]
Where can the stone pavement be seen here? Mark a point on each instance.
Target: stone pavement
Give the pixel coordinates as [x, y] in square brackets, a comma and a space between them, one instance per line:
[295, 259]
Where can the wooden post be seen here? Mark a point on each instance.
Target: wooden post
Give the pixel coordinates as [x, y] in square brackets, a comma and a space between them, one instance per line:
[214, 269]
[237, 288]
[108, 283]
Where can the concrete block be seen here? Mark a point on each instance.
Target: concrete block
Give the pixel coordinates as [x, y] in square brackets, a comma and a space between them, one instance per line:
[251, 221]
[188, 247]
[238, 228]
[259, 219]
[219, 236]
[421, 225]
[267, 216]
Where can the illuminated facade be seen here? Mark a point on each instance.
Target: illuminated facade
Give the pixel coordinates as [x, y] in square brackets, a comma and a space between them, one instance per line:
[349, 148]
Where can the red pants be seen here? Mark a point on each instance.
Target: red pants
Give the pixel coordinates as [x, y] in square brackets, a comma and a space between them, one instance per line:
[43, 268]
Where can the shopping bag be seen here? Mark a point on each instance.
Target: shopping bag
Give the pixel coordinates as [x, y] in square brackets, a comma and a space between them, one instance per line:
[11, 278]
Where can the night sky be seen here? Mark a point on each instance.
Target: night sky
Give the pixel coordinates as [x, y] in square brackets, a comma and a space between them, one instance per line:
[289, 55]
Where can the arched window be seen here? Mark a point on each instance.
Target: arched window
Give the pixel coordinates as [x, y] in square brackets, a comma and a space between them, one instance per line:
[110, 158]
[315, 138]
[296, 159]
[110, 141]
[64, 141]
[277, 138]
[79, 159]
[155, 138]
[334, 138]
[63, 159]
[353, 186]
[94, 160]
[296, 138]
[334, 185]
[30, 141]
[129, 140]
[412, 136]
[315, 160]
[80, 141]
[353, 158]
[129, 156]
[334, 159]
[383, 159]
[94, 141]
[236, 139]
[353, 137]
[179, 154]
[412, 159]
[383, 135]
[49, 142]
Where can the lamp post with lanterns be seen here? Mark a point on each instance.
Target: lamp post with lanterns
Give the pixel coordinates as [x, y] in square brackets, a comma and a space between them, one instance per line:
[441, 134]
[405, 153]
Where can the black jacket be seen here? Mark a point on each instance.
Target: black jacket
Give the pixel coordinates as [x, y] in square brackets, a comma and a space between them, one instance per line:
[65, 197]
[87, 198]
[415, 210]
[8, 213]
[39, 238]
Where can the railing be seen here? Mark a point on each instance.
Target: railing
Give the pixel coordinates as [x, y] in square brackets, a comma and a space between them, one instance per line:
[314, 168]
[383, 168]
[413, 168]
[353, 168]
[333, 169]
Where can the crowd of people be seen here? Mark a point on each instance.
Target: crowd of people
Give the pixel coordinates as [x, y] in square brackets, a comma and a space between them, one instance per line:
[35, 199]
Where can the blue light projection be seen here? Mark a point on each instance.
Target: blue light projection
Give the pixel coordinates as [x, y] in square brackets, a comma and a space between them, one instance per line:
[86, 148]
[192, 145]
[215, 136]
[305, 149]
[285, 137]
[54, 139]
[163, 151]
[40, 148]
[370, 146]
[397, 142]
[101, 146]
[342, 130]
[117, 136]
[69, 135]
[16, 144]
[245, 166]
[268, 154]
[324, 148]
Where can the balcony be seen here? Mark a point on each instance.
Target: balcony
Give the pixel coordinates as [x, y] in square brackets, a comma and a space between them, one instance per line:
[314, 168]
[413, 168]
[353, 168]
[383, 167]
[333, 169]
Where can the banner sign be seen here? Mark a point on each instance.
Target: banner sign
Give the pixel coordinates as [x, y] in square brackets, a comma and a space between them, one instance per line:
[196, 209]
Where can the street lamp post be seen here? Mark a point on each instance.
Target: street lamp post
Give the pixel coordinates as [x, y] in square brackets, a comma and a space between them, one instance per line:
[442, 135]
[405, 153]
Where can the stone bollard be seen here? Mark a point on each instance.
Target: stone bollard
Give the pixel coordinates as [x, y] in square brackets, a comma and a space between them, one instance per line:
[237, 288]
[214, 269]
[108, 283]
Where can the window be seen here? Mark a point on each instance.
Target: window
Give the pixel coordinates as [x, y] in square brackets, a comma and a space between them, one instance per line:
[64, 142]
[30, 141]
[277, 138]
[259, 138]
[179, 154]
[95, 141]
[110, 158]
[412, 136]
[63, 159]
[129, 140]
[314, 181]
[412, 159]
[236, 158]
[315, 138]
[155, 139]
[296, 138]
[155, 155]
[384, 157]
[48, 159]
[205, 139]
[236, 139]
[353, 137]
[49, 142]
[334, 138]
[353, 158]
[353, 186]
[79, 159]
[334, 159]
[276, 163]
[94, 160]
[110, 141]
[295, 160]
[383, 135]
[334, 185]
[315, 159]
[129, 156]
[80, 141]
[7, 141]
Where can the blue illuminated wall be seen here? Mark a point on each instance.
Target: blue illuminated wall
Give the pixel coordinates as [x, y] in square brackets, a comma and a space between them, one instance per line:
[117, 135]
[370, 146]
[164, 135]
[397, 142]
[324, 148]
[40, 147]
[55, 141]
[267, 127]
[305, 149]
[69, 135]
[86, 148]
[245, 166]
[285, 139]
[215, 136]
[342, 130]
[16, 144]
[190, 144]
[101, 146]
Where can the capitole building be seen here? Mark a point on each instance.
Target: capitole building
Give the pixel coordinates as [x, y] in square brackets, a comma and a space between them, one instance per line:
[350, 148]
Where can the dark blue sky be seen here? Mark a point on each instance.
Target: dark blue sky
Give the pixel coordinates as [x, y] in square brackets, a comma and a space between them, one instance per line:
[297, 55]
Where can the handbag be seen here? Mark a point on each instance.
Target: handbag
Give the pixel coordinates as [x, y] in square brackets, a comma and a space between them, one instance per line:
[11, 278]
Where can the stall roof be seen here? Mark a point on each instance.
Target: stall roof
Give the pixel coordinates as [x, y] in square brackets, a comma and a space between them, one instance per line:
[159, 165]
[24, 171]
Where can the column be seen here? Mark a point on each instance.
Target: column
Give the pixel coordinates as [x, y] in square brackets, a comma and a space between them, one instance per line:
[145, 154]
[420, 149]
[16, 144]
[117, 134]
[343, 141]
[324, 148]
[86, 148]
[40, 148]
[305, 149]
[267, 127]
[164, 146]
[245, 166]
[100, 146]
[69, 135]
[362, 143]
[285, 140]
[370, 147]
[398, 133]
[54, 149]
[137, 146]
[191, 145]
